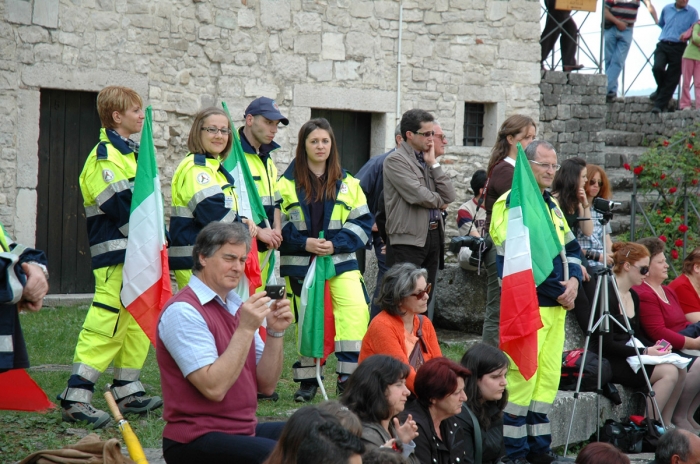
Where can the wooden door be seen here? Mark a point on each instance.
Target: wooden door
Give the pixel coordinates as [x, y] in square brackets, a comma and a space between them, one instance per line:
[69, 129]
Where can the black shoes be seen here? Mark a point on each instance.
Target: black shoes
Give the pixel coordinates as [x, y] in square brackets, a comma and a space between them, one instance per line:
[307, 391]
[610, 97]
[655, 110]
[652, 96]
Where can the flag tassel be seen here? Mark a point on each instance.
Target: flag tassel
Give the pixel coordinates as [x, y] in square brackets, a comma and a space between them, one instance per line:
[319, 380]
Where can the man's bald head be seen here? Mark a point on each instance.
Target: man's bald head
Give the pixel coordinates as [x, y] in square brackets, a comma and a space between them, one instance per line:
[678, 446]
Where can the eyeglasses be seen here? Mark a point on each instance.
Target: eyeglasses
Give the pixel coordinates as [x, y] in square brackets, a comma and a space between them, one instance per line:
[643, 270]
[554, 167]
[592, 182]
[420, 294]
[214, 130]
[426, 133]
[441, 137]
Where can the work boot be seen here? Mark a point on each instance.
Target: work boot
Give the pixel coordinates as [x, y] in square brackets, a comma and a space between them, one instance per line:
[139, 404]
[273, 397]
[306, 392]
[78, 412]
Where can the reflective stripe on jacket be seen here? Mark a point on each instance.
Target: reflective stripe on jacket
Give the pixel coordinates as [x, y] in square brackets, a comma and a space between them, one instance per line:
[347, 223]
[107, 183]
[202, 192]
[549, 290]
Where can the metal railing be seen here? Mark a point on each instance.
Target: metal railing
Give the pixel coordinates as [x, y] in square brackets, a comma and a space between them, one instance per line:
[586, 47]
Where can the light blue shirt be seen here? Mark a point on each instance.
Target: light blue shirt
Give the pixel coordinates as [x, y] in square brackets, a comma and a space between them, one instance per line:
[185, 334]
[674, 22]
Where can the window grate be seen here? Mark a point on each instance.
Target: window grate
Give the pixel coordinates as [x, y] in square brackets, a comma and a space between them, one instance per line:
[473, 124]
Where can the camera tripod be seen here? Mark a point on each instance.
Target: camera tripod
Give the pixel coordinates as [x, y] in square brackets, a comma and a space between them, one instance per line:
[605, 277]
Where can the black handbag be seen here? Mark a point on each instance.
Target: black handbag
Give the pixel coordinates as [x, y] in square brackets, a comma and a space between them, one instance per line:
[626, 437]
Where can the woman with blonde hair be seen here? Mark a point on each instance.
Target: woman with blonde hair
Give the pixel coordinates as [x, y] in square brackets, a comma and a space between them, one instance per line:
[516, 129]
[202, 189]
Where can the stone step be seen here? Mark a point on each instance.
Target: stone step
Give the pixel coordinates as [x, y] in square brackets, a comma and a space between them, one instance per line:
[618, 138]
[616, 157]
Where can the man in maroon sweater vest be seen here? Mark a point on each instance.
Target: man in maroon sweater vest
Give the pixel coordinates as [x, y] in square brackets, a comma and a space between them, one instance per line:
[211, 358]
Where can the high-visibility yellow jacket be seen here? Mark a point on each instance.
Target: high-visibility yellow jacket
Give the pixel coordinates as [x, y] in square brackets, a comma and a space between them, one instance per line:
[347, 223]
[203, 192]
[107, 183]
[549, 290]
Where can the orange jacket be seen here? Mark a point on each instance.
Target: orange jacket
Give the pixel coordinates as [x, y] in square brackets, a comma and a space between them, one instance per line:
[385, 335]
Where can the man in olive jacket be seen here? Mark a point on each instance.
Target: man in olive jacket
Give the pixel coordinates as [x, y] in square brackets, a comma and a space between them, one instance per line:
[416, 189]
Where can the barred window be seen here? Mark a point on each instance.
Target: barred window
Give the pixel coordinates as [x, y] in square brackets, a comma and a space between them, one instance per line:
[473, 124]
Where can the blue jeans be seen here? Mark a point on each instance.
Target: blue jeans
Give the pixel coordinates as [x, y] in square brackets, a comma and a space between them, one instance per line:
[617, 45]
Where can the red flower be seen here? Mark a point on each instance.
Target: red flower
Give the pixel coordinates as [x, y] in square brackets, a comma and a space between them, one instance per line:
[667, 220]
[672, 190]
[674, 254]
[638, 170]
[663, 176]
[692, 134]
[694, 182]
[665, 143]
[626, 166]
[679, 242]
[690, 146]
[655, 184]
[658, 211]
[663, 238]
[682, 228]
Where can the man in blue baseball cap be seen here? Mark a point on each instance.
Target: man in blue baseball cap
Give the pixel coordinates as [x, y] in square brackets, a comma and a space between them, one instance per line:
[262, 119]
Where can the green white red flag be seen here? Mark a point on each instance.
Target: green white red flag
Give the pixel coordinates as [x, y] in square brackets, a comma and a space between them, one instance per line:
[316, 330]
[250, 206]
[531, 246]
[146, 273]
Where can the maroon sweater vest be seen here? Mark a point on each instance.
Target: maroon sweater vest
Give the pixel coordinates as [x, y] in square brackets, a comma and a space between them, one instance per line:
[188, 413]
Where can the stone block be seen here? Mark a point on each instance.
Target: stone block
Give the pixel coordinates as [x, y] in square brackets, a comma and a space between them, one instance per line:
[308, 22]
[333, 46]
[558, 125]
[277, 14]
[564, 112]
[572, 125]
[545, 88]
[18, 11]
[555, 77]
[321, 70]
[341, 98]
[597, 111]
[570, 99]
[360, 9]
[226, 21]
[359, 44]
[307, 44]
[256, 88]
[580, 111]
[386, 10]
[497, 10]
[33, 34]
[551, 100]
[346, 70]
[45, 13]
[460, 299]
[246, 18]
[564, 137]
[25, 217]
[568, 148]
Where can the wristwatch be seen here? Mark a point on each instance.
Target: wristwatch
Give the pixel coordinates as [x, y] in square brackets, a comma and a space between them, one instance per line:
[272, 334]
[42, 267]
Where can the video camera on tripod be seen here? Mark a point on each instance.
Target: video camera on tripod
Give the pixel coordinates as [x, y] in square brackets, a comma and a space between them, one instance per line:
[477, 245]
[605, 207]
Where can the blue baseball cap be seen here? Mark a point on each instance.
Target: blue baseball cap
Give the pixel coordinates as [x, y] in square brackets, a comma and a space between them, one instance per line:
[267, 107]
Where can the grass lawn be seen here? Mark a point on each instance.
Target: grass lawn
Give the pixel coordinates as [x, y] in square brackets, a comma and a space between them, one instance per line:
[51, 335]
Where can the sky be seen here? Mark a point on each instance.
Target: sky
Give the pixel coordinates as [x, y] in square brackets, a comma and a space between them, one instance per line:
[638, 79]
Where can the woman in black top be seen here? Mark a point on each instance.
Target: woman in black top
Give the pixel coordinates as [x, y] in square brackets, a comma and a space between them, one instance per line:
[631, 266]
[439, 388]
[486, 399]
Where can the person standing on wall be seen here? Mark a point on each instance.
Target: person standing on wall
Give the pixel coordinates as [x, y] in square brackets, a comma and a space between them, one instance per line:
[110, 333]
[675, 19]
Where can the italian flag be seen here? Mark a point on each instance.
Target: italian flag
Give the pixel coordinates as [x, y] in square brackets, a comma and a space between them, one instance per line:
[250, 206]
[146, 275]
[530, 229]
[316, 324]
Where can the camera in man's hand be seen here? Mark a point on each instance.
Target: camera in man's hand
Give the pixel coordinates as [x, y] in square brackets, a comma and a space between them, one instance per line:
[477, 246]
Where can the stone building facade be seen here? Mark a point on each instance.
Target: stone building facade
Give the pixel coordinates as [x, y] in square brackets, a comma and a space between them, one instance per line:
[184, 55]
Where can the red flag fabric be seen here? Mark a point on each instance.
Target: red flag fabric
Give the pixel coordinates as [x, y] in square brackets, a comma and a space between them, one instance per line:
[21, 393]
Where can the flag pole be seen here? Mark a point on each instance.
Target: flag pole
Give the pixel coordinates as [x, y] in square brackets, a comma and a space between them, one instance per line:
[318, 379]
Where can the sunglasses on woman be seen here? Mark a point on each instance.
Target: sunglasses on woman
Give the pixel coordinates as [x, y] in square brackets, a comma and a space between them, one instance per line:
[643, 270]
[420, 294]
[592, 182]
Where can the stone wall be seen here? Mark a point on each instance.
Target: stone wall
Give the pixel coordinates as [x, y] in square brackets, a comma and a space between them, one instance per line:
[633, 114]
[183, 55]
[572, 113]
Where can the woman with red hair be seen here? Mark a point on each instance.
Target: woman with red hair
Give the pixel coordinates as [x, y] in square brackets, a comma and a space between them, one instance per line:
[601, 453]
[439, 388]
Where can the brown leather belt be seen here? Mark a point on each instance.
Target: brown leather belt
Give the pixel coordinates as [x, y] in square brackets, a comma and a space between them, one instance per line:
[433, 225]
